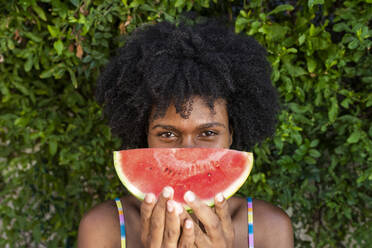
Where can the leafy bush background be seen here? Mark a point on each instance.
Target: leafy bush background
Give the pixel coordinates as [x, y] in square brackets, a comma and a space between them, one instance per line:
[55, 150]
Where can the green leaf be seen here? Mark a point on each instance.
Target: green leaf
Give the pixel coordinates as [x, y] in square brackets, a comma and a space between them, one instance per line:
[278, 143]
[298, 108]
[28, 64]
[53, 30]
[342, 26]
[136, 3]
[32, 37]
[281, 8]
[179, 3]
[312, 30]
[21, 121]
[40, 12]
[314, 153]
[314, 143]
[240, 24]
[53, 146]
[36, 233]
[297, 137]
[275, 32]
[354, 137]
[311, 64]
[353, 44]
[365, 175]
[11, 45]
[21, 88]
[345, 103]
[333, 111]
[285, 160]
[58, 46]
[309, 160]
[347, 213]
[367, 80]
[76, 3]
[311, 3]
[258, 177]
[73, 78]
[47, 73]
[52, 70]
[292, 50]
[301, 39]
[332, 205]
[204, 3]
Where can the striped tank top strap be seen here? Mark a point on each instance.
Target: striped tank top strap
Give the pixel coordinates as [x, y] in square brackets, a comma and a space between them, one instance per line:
[250, 222]
[122, 223]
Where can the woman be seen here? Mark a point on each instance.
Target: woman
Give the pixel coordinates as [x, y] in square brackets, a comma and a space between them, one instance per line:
[198, 85]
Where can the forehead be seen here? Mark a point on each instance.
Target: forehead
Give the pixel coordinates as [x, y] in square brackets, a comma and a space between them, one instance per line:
[200, 114]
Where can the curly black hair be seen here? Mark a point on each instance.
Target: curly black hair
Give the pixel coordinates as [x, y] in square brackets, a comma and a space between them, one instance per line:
[165, 63]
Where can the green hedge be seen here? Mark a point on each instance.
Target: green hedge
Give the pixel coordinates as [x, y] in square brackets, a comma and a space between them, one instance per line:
[55, 149]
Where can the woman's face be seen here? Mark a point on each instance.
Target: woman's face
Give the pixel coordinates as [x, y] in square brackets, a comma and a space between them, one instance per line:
[202, 129]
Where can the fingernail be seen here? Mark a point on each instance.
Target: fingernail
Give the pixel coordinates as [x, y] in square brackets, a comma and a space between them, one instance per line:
[188, 224]
[179, 208]
[167, 192]
[149, 198]
[189, 196]
[170, 206]
[219, 197]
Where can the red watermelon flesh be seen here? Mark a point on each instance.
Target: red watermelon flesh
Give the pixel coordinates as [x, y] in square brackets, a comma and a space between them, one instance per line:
[204, 171]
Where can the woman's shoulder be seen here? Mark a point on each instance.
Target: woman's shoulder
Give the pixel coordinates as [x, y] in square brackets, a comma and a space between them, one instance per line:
[97, 227]
[100, 225]
[272, 227]
[261, 208]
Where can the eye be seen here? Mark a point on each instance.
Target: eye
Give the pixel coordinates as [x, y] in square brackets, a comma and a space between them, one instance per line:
[208, 133]
[167, 135]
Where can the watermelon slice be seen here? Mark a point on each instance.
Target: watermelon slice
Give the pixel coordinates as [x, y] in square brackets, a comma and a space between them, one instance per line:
[204, 171]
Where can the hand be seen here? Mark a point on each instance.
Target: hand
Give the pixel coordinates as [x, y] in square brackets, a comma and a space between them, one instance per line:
[160, 222]
[218, 224]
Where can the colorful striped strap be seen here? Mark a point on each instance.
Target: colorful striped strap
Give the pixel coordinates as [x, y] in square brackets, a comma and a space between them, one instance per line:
[250, 223]
[122, 225]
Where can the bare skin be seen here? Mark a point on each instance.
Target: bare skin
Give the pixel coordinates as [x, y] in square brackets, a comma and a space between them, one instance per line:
[160, 222]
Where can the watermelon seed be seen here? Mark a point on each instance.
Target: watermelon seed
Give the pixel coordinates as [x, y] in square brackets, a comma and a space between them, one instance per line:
[209, 174]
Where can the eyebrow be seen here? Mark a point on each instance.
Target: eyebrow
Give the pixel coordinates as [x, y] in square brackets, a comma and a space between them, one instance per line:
[202, 126]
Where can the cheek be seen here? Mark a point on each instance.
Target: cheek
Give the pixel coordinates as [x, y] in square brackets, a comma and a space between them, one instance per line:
[227, 141]
[223, 141]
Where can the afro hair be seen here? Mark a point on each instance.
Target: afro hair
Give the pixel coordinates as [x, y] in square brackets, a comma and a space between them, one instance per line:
[165, 63]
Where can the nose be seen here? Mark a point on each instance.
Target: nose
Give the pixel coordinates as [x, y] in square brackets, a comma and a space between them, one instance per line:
[187, 142]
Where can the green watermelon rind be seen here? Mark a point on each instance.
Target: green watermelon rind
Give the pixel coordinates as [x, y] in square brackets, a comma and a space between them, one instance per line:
[130, 187]
[230, 191]
[233, 188]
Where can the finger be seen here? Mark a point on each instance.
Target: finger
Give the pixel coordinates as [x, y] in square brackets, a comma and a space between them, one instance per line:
[146, 211]
[206, 215]
[222, 211]
[188, 236]
[158, 218]
[172, 224]
[201, 240]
